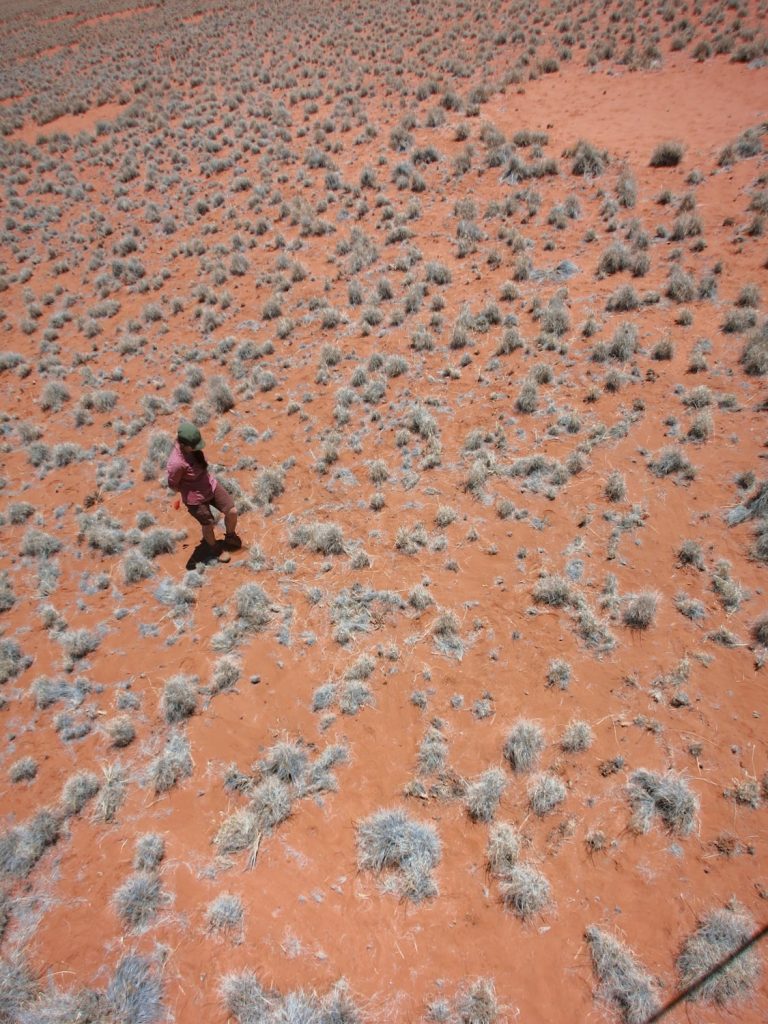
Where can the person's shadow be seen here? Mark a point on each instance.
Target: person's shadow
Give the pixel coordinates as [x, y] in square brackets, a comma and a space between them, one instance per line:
[203, 555]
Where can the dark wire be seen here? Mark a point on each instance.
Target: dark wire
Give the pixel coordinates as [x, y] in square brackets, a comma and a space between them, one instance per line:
[686, 993]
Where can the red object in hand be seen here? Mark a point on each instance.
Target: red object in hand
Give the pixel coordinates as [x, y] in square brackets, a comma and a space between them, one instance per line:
[177, 504]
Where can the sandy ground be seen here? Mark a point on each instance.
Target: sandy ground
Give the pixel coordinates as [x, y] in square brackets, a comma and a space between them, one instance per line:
[191, 200]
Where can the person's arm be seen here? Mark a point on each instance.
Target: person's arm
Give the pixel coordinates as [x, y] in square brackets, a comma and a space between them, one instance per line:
[174, 477]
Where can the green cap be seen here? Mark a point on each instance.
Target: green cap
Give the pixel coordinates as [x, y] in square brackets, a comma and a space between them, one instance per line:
[189, 434]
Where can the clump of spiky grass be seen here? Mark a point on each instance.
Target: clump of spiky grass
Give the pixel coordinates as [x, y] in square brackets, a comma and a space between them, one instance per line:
[225, 915]
[150, 850]
[615, 488]
[121, 731]
[545, 793]
[134, 992]
[719, 934]
[77, 791]
[179, 699]
[390, 840]
[322, 538]
[113, 792]
[523, 745]
[667, 796]
[525, 891]
[287, 761]
[433, 752]
[622, 981]
[237, 832]
[23, 770]
[476, 1003]
[245, 999]
[138, 900]
[484, 794]
[174, 764]
[554, 591]
[252, 606]
[578, 736]
[18, 987]
[503, 848]
[640, 610]
[23, 846]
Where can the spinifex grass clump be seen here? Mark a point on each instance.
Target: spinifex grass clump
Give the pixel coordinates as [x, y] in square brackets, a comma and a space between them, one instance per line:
[719, 934]
[484, 794]
[667, 796]
[391, 841]
[622, 981]
[138, 900]
[524, 744]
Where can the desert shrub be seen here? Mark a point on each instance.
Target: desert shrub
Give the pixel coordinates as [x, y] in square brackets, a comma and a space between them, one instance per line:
[159, 541]
[759, 631]
[640, 610]
[77, 791]
[23, 846]
[503, 848]
[681, 287]
[719, 934]
[390, 840]
[615, 488]
[588, 161]
[54, 396]
[138, 900]
[225, 914]
[174, 764]
[578, 736]
[133, 994]
[121, 731]
[622, 981]
[237, 832]
[226, 673]
[245, 999]
[179, 699]
[39, 544]
[136, 567]
[667, 796]
[483, 795]
[667, 154]
[113, 792]
[23, 770]
[623, 300]
[523, 745]
[554, 591]
[79, 643]
[322, 538]
[150, 850]
[525, 891]
[220, 395]
[476, 1003]
[527, 399]
[545, 793]
[623, 344]
[671, 460]
[690, 553]
[270, 484]
[754, 355]
[252, 606]
[558, 673]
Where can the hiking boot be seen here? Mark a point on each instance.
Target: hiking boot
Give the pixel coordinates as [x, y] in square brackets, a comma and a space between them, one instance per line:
[232, 542]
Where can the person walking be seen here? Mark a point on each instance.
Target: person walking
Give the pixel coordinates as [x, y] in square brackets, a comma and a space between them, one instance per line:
[188, 474]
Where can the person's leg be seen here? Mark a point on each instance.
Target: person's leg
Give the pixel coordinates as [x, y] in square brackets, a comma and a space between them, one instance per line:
[204, 517]
[222, 499]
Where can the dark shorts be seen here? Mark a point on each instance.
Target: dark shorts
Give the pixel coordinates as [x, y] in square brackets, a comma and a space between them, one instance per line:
[222, 500]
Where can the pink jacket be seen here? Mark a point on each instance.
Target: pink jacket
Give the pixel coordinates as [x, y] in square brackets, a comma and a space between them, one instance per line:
[189, 476]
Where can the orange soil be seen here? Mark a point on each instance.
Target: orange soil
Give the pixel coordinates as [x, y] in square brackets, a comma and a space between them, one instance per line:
[310, 916]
